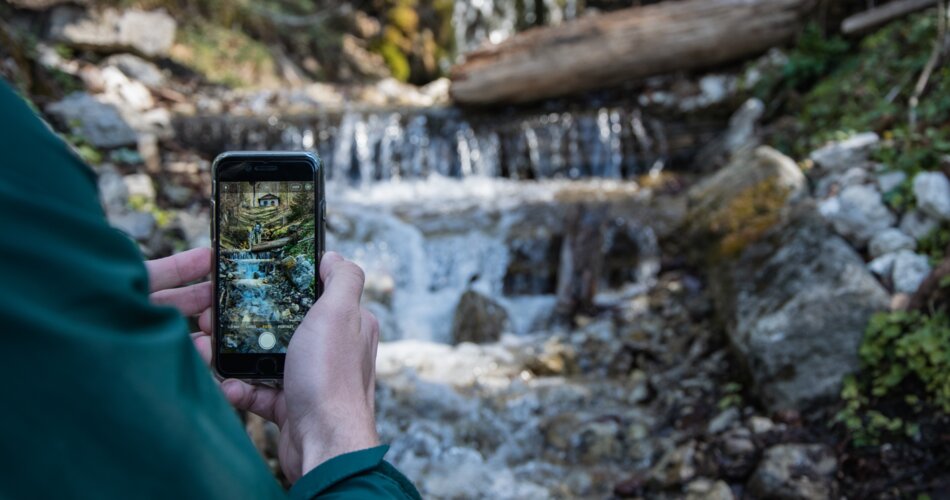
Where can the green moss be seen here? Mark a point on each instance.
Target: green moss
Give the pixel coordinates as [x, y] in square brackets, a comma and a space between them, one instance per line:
[404, 18]
[395, 59]
[746, 217]
[905, 371]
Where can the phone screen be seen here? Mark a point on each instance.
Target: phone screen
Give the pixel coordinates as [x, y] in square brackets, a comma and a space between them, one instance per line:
[266, 265]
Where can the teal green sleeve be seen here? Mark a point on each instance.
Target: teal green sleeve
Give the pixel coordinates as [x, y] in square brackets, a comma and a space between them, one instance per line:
[360, 474]
[104, 395]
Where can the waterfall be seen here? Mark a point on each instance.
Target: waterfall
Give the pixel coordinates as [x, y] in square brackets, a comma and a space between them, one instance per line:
[364, 147]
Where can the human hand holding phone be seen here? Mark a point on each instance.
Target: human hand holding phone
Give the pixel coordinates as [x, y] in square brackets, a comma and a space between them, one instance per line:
[326, 407]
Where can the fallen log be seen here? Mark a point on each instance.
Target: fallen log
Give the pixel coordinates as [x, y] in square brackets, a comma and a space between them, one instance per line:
[270, 245]
[607, 49]
[863, 22]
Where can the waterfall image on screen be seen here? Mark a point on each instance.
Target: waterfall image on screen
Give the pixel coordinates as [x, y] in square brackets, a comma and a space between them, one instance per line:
[266, 269]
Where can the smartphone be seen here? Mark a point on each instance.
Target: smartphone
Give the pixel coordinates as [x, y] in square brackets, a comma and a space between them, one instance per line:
[268, 219]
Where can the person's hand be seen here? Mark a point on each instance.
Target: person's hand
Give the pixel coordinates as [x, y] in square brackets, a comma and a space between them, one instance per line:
[327, 405]
[167, 279]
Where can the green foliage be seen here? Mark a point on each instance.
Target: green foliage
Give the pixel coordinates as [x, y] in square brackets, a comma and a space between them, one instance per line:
[86, 151]
[935, 244]
[731, 397]
[813, 57]
[869, 89]
[905, 363]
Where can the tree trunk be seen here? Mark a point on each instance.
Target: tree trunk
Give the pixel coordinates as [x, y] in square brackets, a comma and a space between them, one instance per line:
[604, 50]
[270, 245]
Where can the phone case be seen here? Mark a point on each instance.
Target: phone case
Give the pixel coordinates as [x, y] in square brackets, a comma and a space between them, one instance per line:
[320, 214]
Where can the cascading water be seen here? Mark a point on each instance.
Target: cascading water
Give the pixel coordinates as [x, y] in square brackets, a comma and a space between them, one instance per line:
[438, 201]
[368, 146]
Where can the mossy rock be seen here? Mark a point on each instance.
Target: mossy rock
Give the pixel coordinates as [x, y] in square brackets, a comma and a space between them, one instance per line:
[741, 202]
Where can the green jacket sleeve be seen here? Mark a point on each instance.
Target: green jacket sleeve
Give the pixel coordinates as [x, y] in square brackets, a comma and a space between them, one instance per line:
[360, 474]
[104, 395]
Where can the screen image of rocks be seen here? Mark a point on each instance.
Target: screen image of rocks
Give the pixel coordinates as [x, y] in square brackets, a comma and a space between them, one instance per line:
[267, 263]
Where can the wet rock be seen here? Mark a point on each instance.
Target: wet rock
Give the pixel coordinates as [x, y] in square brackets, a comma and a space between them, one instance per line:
[723, 421]
[796, 305]
[97, 122]
[918, 224]
[760, 425]
[795, 472]
[932, 190]
[599, 441]
[137, 69]
[581, 261]
[857, 213]
[676, 467]
[890, 240]
[148, 32]
[478, 319]
[138, 225]
[845, 154]
[299, 270]
[707, 489]
[909, 271]
[555, 359]
[888, 181]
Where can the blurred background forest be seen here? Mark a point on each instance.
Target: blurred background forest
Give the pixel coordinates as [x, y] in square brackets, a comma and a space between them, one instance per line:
[618, 248]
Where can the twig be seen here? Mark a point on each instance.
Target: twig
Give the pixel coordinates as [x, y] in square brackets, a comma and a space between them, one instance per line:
[865, 21]
[939, 45]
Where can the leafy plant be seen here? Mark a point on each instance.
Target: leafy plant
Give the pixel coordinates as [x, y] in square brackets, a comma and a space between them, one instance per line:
[905, 363]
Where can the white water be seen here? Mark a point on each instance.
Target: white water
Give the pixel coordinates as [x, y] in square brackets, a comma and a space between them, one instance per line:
[423, 243]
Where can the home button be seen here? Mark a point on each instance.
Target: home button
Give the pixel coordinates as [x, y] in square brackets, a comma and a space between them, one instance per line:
[267, 366]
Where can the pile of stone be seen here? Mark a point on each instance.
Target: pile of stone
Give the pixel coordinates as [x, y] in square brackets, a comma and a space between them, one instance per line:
[851, 189]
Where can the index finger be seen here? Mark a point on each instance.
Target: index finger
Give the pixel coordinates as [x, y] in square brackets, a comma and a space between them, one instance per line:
[342, 280]
[178, 269]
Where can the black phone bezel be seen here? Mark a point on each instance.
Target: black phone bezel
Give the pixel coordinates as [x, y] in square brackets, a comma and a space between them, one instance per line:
[242, 167]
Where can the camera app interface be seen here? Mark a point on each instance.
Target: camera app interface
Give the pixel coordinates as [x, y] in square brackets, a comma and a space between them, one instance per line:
[266, 269]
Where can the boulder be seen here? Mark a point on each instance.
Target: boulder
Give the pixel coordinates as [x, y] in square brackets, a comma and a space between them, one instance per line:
[150, 33]
[932, 190]
[96, 122]
[890, 240]
[478, 319]
[796, 305]
[845, 154]
[888, 181]
[836, 181]
[137, 69]
[909, 271]
[299, 270]
[740, 202]
[857, 213]
[795, 472]
[918, 224]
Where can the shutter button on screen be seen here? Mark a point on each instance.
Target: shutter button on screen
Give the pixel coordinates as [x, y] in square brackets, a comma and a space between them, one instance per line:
[267, 340]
